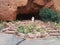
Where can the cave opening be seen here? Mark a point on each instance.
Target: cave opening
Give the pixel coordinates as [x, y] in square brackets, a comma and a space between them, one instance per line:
[27, 16]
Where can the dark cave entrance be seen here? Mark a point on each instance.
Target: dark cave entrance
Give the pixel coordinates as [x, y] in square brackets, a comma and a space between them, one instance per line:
[24, 14]
[27, 16]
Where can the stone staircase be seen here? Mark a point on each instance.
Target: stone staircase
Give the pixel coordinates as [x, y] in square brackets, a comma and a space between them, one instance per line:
[54, 32]
[8, 31]
[50, 32]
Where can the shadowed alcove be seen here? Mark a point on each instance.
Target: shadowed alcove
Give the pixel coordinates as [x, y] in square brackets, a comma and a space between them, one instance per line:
[24, 13]
[27, 16]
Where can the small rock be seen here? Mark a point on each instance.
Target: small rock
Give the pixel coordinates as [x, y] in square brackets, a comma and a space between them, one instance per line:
[10, 32]
[30, 35]
[38, 34]
[21, 35]
[54, 34]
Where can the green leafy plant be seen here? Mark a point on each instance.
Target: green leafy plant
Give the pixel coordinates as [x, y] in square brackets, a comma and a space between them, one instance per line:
[57, 25]
[4, 22]
[48, 14]
[30, 27]
[39, 29]
[26, 31]
[20, 29]
[23, 29]
[47, 31]
[2, 25]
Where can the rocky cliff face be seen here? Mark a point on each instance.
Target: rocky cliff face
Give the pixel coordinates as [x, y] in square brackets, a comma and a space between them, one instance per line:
[10, 8]
[33, 6]
[57, 4]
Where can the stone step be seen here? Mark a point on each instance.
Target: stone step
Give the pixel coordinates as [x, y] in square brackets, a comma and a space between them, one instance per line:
[54, 34]
[9, 32]
[53, 31]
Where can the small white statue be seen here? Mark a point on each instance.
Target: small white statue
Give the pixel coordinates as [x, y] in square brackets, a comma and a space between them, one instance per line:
[32, 19]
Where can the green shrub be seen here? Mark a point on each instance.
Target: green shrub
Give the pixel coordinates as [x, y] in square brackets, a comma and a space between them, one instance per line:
[39, 29]
[26, 31]
[28, 28]
[20, 29]
[47, 14]
[1, 27]
[23, 29]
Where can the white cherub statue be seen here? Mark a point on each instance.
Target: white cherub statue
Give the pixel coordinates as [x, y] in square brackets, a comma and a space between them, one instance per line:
[32, 19]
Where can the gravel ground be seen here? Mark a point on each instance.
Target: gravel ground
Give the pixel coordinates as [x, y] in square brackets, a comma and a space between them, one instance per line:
[9, 39]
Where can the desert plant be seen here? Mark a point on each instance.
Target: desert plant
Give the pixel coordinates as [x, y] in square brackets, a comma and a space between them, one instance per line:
[2, 25]
[57, 25]
[39, 29]
[48, 14]
[23, 29]
[42, 31]
[29, 28]
[20, 29]
[26, 31]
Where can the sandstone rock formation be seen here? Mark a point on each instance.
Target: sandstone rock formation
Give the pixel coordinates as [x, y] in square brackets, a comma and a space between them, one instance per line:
[57, 4]
[39, 2]
[10, 8]
[32, 7]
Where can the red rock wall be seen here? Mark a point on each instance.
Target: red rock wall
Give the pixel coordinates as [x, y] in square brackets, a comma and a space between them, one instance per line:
[57, 4]
[39, 2]
[32, 7]
[8, 8]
